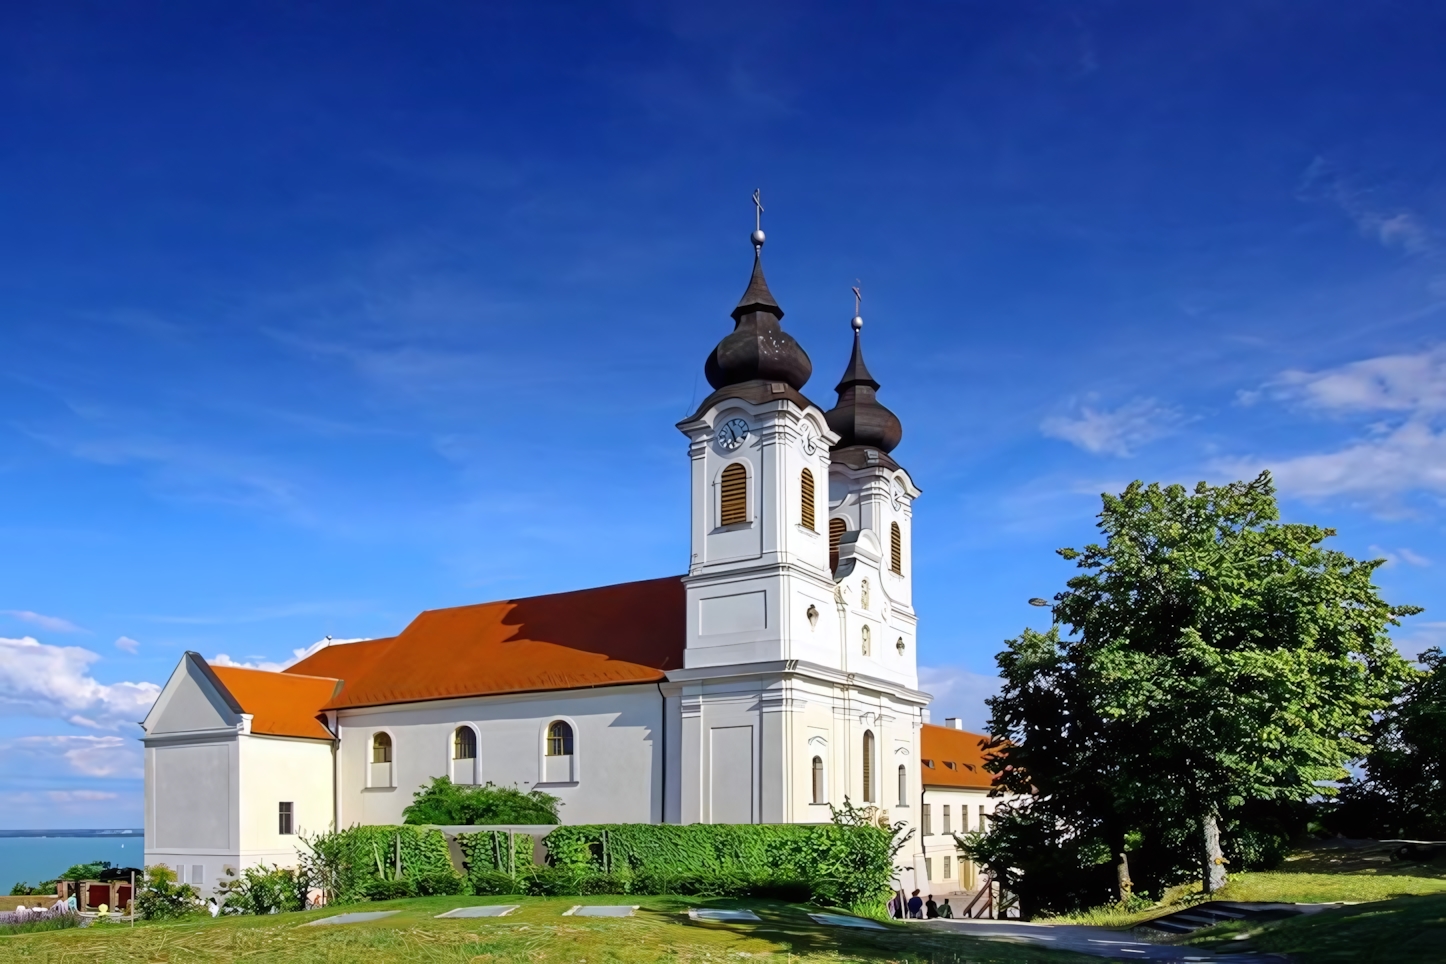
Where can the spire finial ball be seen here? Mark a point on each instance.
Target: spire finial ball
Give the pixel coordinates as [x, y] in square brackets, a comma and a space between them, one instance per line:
[758, 238]
[858, 322]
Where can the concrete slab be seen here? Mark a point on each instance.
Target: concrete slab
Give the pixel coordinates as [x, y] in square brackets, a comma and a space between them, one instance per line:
[844, 920]
[717, 913]
[1083, 939]
[485, 910]
[357, 918]
[601, 910]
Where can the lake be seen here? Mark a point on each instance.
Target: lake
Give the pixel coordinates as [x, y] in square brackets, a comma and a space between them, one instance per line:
[35, 858]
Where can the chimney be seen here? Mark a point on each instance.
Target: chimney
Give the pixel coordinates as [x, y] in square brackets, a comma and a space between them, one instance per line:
[953, 723]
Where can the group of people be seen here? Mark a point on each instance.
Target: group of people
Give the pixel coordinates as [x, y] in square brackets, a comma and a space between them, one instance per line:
[23, 913]
[918, 908]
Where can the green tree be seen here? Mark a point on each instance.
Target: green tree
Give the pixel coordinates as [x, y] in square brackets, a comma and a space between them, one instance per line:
[444, 803]
[1402, 791]
[1216, 658]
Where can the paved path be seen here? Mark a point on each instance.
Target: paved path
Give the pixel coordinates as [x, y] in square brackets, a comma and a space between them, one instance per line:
[1098, 941]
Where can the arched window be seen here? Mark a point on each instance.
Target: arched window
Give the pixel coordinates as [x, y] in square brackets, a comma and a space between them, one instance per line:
[559, 739]
[381, 748]
[868, 766]
[896, 549]
[903, 786]
[868, 640]
[733, 495]
[818, 795]
[864, 594]
[836, 529]
[805, 485]
[464, 744]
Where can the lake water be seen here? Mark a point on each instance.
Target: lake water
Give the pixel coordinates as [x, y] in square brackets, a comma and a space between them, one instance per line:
[33, 859]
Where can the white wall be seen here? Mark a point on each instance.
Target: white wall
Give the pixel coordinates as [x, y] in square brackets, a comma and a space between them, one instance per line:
[616, 766]
[963, 875]
[274, 769]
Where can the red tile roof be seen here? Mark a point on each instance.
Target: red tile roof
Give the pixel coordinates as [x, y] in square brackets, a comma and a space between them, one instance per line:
[940, 746]
[279, 704]
[629, 633]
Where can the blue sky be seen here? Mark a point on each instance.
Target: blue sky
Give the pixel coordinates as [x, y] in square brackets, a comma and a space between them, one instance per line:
[315, 316]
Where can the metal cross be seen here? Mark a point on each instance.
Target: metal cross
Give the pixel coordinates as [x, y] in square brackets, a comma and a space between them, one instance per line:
[758, 215]
[858, 295]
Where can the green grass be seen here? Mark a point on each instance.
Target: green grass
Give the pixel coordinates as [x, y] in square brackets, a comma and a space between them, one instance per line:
[537, 933]
[1404, 930]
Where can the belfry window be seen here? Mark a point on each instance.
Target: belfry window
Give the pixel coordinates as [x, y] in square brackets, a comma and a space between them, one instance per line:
[818, 795]
[559, 739]
[868, 641]
[896, 549]
[868, 766]
[464, 744]
[381, 748]
[836, 529]
[733, 495]
[805, 485]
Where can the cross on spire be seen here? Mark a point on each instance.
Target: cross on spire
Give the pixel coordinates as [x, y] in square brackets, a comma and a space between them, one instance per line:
[858, 321]
[757, 222]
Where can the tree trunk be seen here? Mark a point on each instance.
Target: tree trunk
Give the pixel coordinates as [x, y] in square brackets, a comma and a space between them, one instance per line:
[1127, 886]
[1212, 876]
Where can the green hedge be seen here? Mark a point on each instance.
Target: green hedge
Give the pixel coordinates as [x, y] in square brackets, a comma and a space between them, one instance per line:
[380, 862]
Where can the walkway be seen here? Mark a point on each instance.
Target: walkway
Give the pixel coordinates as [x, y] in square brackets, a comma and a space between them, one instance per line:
[1097, 941]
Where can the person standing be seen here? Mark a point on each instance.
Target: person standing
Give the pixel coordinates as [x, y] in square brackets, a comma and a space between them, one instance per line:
[931, 909]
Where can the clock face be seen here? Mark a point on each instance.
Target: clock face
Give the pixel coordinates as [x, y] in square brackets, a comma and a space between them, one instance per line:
[732, 433]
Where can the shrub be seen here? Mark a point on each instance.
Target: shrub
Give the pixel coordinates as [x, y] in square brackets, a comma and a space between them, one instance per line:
[264, 890]
[161, 898]
[447, 804]
[346, 864]
[440, 883]
[389, 889]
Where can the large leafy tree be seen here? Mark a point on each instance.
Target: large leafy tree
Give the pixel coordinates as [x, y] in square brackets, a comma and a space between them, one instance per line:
[1216, 658]
[1402, 790]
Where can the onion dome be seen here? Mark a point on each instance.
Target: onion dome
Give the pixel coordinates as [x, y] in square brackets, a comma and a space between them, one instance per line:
[858, 418]
[757, 348]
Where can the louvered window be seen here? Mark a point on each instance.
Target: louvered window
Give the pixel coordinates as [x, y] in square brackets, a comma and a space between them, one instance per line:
[806, 488]
[464, 744]
[896, 549]
[733, 501]
[836, 529]
[868, 767]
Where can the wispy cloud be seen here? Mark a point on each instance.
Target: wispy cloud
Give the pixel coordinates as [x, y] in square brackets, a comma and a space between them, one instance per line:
[1400, 403]
[54, 681]
[1400, 555]
[91, 756]
[1393, 227]
[1113, 432]
[53, 624]
[126, 644]
[297, 655]
[960, 693]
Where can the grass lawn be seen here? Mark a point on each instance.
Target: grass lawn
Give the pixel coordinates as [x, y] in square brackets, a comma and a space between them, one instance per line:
[1403, 930]
[537, 932]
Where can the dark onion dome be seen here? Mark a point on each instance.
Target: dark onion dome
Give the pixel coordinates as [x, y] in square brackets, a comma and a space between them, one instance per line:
[758, 349]
[858, 418]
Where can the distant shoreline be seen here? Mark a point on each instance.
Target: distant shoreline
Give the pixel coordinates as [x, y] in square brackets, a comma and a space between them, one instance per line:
[72, 833]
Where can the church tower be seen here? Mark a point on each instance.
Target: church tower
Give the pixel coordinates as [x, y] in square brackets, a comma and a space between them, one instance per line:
[799, 686]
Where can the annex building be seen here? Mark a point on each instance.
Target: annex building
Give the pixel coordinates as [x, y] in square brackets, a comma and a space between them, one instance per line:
[775, 677]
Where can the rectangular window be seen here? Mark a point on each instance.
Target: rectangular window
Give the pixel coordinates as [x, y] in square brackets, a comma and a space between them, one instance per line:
[925, 824]
[180, 873]
[929, 868]
[948, 871]
[198, 874]
[964, 818]
[283, 823]
[946, 823]
[982, 825]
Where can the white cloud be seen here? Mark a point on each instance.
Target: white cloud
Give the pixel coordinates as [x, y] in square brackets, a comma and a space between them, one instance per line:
[297, 655]
[1399, 555]
[91, 756]
[53, 624]
[127, 644]
[960, 693]
[1396, 228]
[1116, 432]
[1414, 638]
[45, 680]
[1400, 401]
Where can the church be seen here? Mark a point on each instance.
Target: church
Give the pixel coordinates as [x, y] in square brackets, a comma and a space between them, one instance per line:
[776, 677]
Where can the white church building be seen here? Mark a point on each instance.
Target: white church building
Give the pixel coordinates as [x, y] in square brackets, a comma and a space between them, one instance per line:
[774, 678]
